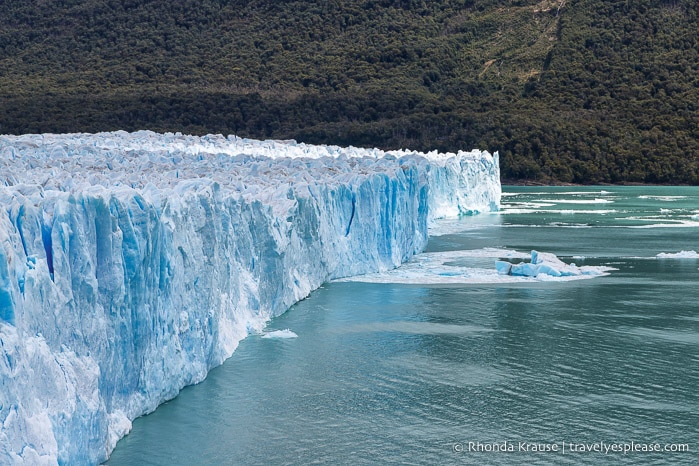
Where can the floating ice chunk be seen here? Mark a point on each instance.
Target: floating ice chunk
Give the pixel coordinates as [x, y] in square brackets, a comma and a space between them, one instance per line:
[286, 333]
[579, 201]
[503, 267]
[663, 198]
[545, 263]
[470, 268]
[678, 255]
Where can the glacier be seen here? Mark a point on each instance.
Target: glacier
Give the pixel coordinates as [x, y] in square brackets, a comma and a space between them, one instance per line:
[133, 263]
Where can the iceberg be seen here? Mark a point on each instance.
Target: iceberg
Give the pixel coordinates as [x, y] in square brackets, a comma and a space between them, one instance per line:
[283, 334]
[133, 263]
[678, 255]
[544, 264]
[466, 267]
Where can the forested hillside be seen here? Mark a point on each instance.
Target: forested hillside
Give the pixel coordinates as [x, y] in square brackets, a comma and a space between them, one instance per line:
[582, 91]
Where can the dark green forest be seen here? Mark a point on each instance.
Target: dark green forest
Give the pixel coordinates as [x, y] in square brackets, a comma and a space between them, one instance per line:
[577, 91]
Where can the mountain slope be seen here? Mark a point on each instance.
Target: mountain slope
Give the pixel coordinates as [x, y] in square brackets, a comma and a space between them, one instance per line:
[568, 91]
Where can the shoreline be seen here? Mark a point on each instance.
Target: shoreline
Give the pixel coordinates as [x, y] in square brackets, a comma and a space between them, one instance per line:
[509, 182]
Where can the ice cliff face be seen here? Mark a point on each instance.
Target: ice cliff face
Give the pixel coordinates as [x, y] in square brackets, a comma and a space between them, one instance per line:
[131, 264]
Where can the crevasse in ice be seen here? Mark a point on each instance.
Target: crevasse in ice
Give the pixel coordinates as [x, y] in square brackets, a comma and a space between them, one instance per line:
[133, 263]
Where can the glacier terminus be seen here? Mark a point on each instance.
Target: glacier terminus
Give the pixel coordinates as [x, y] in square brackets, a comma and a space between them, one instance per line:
[133, 263]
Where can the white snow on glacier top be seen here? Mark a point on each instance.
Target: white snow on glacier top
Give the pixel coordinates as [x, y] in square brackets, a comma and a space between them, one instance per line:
[119, 157]
[157, 164]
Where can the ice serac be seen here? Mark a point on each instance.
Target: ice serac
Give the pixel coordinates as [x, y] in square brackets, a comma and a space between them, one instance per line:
[133, 263]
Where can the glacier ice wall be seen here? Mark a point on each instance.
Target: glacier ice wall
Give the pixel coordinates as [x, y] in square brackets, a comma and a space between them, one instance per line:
[133, 263]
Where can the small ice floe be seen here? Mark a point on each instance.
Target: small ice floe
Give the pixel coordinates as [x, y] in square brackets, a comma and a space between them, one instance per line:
[544, 263]
[678, 255]
[578, 201]
[286, 333]
[474, 267]
[663, 198]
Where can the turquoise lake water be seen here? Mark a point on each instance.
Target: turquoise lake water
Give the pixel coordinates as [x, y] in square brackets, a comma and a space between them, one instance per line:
[446, 362]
